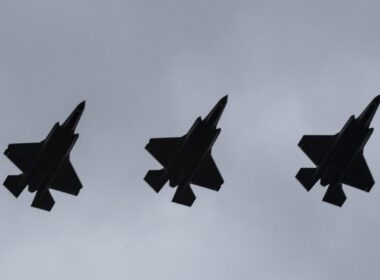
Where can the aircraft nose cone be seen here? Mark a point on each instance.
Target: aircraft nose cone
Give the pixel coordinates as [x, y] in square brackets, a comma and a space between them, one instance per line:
[224, 100]
[81, 106]
[376, 100]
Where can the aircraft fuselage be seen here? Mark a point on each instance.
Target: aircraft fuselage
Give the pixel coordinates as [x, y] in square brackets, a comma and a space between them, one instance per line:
[347, 146]
[53, 153]
[51, 156]
[338, 160]
[196, 146]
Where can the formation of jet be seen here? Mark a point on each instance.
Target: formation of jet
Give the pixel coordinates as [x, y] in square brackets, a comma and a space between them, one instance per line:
[187, 160]
[339, 158]
[46, 165]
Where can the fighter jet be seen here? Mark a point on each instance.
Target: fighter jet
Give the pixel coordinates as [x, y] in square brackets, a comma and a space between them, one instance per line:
[339, 158]
[187, 159]
[46, 164]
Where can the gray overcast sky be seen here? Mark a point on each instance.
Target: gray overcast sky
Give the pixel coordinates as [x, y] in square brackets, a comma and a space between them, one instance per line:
[148, 69]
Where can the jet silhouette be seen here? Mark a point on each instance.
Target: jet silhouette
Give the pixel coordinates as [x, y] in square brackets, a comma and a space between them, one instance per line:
[46, 164]
[339, 158]
[187, 159]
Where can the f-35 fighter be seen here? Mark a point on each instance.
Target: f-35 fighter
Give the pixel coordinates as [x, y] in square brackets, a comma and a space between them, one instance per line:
[187, 159]
[339, 158]
[46, 164]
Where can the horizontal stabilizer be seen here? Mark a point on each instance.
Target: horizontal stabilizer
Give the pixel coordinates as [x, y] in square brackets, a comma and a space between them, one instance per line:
[314, 146]
[306, 176]
[68, 180]
[43, 200]
[335, 195]
[360, 176]
[15, 184]
[156, 179]
[208, 175]
[22, 154]
[184, 195]
[164, 149]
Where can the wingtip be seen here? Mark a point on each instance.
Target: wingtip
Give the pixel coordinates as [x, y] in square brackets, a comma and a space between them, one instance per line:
[147, 146]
